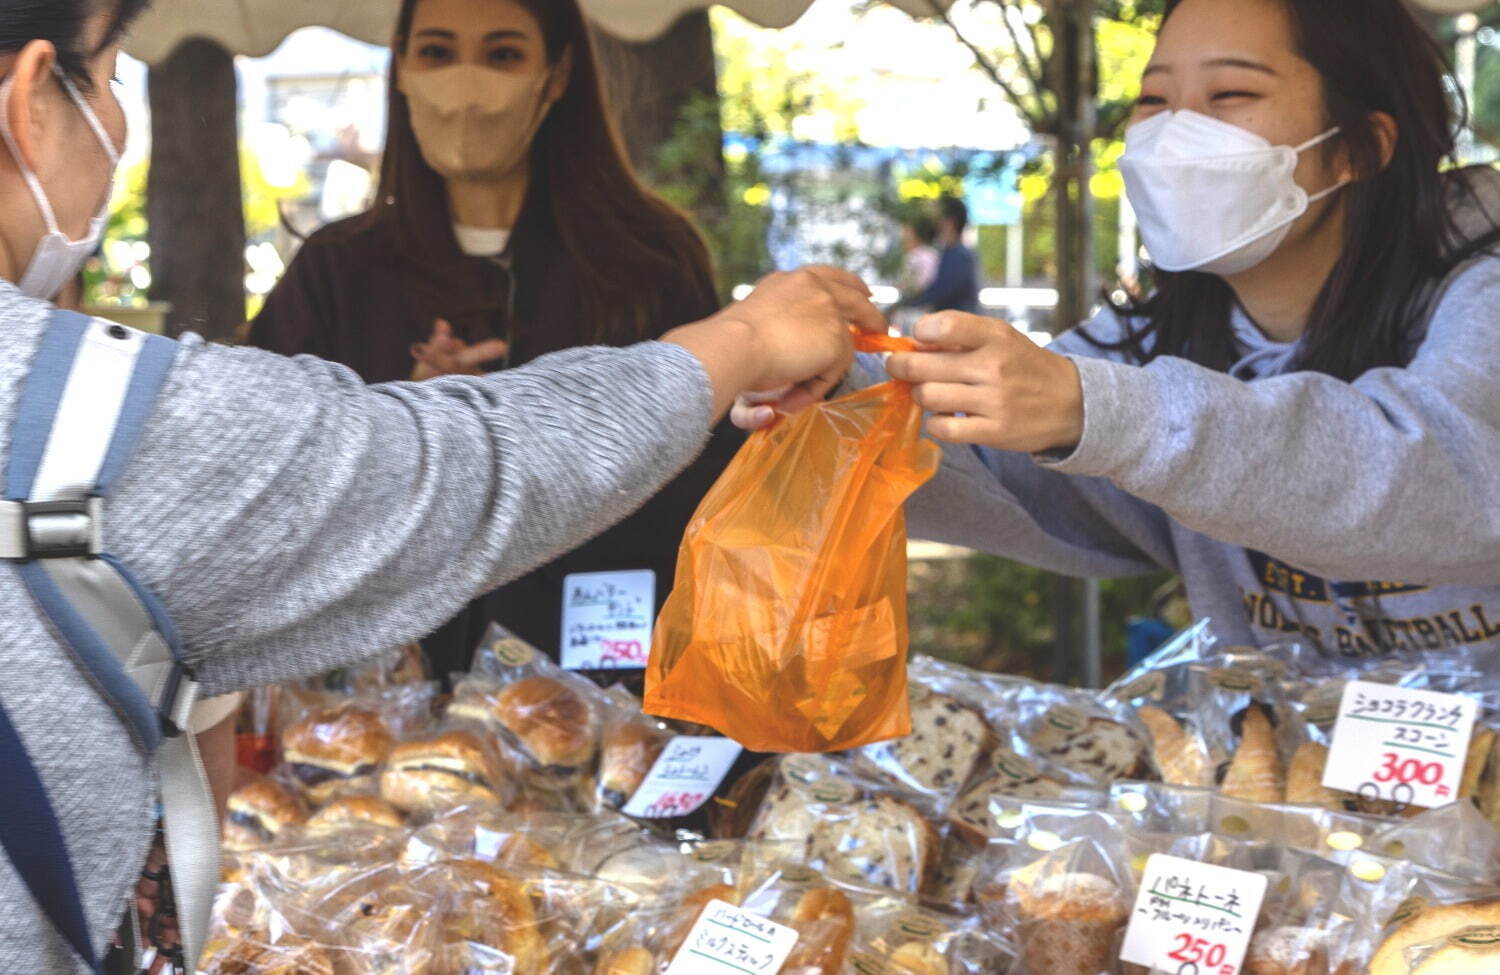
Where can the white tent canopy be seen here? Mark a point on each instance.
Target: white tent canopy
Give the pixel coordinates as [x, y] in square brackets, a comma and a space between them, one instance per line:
[257, 27]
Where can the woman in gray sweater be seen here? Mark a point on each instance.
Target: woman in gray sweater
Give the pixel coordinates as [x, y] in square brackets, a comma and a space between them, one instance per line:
[1302, 417]
[289, 517]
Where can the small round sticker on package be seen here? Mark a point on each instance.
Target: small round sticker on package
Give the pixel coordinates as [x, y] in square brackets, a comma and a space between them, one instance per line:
[512, 652]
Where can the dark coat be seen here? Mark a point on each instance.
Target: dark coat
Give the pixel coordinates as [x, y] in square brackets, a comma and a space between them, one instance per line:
[350, 298]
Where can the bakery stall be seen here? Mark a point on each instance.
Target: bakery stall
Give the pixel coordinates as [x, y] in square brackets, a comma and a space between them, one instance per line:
[1218, 809]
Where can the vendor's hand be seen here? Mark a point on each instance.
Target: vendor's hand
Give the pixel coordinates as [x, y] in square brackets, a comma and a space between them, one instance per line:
[791, 336]
[447, 355]
[756, 411]
[987, 383]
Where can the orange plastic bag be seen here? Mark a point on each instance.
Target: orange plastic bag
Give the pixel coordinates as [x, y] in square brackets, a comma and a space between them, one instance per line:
[786, 628]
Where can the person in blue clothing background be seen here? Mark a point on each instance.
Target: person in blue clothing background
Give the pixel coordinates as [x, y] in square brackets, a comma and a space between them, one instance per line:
[956, 287]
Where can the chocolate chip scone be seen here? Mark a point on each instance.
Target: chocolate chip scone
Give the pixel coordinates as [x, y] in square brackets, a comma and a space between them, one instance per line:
[882, 841]
[947, 741]
[1101, 749]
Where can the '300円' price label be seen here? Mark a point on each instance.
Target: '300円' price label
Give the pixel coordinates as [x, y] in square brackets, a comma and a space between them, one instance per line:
[1400, 744]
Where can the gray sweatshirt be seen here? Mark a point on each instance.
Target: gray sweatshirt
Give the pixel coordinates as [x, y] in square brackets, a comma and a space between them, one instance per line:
[1365, 515]
[293, 519]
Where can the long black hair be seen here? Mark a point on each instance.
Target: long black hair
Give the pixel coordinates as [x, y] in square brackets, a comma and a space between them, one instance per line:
[62, 22]
[629, 246]
[1399, 234]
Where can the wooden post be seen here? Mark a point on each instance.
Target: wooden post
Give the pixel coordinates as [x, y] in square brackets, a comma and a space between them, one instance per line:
[194, 204]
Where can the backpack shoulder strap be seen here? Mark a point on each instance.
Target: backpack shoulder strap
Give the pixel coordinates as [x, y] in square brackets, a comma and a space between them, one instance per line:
[87, 398]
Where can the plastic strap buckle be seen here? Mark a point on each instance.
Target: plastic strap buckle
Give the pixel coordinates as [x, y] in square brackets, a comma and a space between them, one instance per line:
[59, 529]
[179, 679]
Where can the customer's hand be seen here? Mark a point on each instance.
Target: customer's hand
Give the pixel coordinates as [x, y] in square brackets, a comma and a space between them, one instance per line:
[444, 354]
[987, 383]
[791, 335]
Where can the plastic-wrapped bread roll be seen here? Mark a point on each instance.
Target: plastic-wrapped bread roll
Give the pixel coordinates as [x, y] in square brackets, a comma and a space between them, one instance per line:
[1472, 951]
[1480, 746]
[1256, 773]
[918, 958]
[257, 815]
[1179, 756]
[440, 772]
[1069, 923]
[824, 920]
[348, 812]
[631, 961]
[1304, 778]
[1287, 951]
[628, 751]
[1430, 924]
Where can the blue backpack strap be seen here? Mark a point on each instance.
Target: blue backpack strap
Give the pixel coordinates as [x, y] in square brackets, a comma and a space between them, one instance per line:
[85, 402]
[33, 840]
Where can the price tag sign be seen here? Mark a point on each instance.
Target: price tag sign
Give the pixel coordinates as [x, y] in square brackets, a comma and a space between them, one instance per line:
[729, 941]
[1400, 744]
[1193, 918]
[607, 618]
[685, 776]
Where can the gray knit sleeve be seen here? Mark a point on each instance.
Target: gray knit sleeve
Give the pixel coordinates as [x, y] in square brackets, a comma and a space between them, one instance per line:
[293, 519]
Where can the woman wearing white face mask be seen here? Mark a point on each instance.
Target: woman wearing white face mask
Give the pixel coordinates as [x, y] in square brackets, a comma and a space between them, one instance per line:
[1302, 417]
[508, 214]
[186, 519]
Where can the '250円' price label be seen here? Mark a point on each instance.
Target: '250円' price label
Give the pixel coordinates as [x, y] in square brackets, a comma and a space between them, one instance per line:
[1400, 744]
[1193, 918]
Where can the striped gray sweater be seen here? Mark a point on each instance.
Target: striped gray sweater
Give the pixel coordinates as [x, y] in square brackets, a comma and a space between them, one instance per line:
[294, 519]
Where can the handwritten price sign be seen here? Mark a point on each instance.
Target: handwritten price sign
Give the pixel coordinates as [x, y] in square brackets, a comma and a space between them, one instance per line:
[1400, 744]
[607, 617]
[686, 774]
[726, 939]
[1193, 918]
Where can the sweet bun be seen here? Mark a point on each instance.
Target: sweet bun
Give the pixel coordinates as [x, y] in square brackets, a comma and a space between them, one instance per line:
[626, 754]
[1179, 756]
[548, 721]
[1256, 773]
[824, 920]
[919, 958]
[440, 772]
[553, 724]
[258, 813]
[347, 811]
[491, 910]
[1471, 951]
[1304, 778]
[337, 751]
[290, 956]
[1429, 924]
[631, 961]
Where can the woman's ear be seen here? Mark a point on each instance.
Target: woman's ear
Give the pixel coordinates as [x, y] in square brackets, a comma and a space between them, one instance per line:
[562, 76]
[26, 104]
[1387, 131]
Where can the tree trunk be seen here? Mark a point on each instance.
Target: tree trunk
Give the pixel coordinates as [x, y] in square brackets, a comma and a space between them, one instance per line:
[649, 85]
[1075, 85]
[1075, 82]
[194, 202]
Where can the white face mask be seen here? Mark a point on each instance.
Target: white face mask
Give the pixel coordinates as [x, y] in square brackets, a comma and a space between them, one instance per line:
[1210, 196]
[56, 258]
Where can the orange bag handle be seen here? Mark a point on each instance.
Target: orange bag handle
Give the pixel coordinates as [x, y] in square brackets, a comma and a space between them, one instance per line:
[881, 342]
